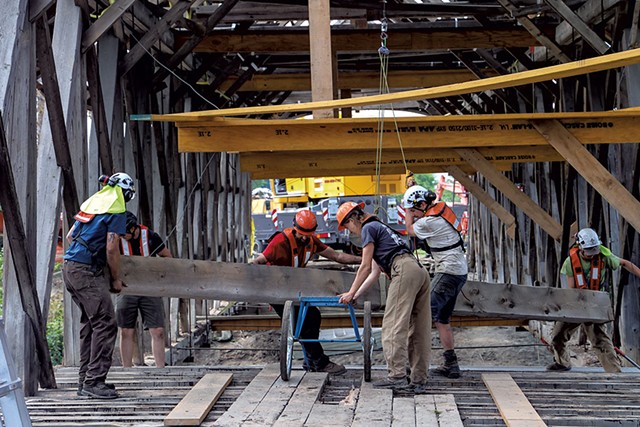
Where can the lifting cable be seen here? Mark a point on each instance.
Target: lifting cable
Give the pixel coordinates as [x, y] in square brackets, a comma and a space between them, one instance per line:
[383, 54]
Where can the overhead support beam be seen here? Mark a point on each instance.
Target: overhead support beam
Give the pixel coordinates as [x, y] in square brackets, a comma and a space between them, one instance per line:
[153, 35]
[591, 12]
[355, 80]
[247, 135]
[483, 197]
[579, 26]
[586, 66]
[545, 41]
[364, 41]
[322, 57]
[180, 278]
[591, 170]
[278, 164]
[513, 193]
[104, 22]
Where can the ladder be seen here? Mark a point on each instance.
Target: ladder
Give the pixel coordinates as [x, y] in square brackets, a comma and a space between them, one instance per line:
[14, 408]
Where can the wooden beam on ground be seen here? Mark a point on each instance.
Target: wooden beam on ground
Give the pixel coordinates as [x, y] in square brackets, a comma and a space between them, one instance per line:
[104, 22]
[243, 135]
[181, 278]
[579, 26]
[483, 197]
[586, 66]
[277, 164]
[194, 407]
[366, 40]
[22, 262]
[509, 189]
[591, 170]
[515, 408]
[354, 80]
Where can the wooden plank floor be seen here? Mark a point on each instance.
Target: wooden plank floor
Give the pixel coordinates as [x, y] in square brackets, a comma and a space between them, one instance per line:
[257, 397]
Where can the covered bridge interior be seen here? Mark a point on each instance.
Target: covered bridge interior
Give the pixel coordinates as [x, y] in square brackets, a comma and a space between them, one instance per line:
[532, 105]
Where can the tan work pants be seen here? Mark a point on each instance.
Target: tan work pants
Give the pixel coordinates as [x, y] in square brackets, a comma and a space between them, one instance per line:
[406, 326]
[598, 337]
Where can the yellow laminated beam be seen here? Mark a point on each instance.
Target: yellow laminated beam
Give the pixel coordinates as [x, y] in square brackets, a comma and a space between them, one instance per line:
[591, 65]
[244, 135]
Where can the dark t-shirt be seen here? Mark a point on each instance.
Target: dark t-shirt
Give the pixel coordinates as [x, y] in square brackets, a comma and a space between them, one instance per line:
[387, 243]
[278, 251]
[156, 244]
[94, 233]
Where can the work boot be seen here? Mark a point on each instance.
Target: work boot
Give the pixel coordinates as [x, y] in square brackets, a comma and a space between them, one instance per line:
[557, 367]
[395, 384]
[333, 369]
[450, 369]
[80, 386]
[99, 391]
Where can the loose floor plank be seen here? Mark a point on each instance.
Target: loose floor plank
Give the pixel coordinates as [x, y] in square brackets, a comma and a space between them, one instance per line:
[404, 412]
[251, 397]
[195, 406]
[270, 408]
[515, 408]
[374, 407]
[299, 407]
[323, 415]
[447, 410]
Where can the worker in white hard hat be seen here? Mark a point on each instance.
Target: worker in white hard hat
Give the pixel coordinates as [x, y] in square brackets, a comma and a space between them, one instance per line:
[589, 266]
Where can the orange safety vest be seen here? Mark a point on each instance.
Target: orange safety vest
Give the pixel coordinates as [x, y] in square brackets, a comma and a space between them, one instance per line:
[442, 210]
[125, 245]
[597, 264]
[306, 251]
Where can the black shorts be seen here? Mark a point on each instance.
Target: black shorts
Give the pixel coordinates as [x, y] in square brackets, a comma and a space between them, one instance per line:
[444, 292]
[151, 309]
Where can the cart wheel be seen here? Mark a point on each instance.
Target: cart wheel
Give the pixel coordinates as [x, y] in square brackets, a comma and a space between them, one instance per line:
[286, 341]
[367, 344]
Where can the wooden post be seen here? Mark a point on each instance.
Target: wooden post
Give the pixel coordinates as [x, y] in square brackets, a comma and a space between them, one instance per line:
[321, 55]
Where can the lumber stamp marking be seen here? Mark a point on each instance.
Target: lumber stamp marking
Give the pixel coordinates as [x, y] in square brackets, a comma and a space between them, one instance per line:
[515, 408]
[195, 406]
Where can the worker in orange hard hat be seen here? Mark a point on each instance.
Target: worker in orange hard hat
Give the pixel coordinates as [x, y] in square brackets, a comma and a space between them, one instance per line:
[294, 247]
[406, 326]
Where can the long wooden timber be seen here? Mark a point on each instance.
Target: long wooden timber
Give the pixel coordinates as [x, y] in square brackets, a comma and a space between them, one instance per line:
[586, 66]
[508, 130]
[277, 164]
[173, 277]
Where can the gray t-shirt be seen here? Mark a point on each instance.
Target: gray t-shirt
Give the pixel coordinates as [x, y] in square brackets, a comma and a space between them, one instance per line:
[440, 234]
[387, 243]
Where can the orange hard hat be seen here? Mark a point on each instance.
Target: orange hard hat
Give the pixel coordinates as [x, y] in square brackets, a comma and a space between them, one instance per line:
[305, 222]
[345, 210]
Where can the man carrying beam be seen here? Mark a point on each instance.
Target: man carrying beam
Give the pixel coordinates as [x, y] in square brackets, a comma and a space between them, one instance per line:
[294, 247]
[588, 266]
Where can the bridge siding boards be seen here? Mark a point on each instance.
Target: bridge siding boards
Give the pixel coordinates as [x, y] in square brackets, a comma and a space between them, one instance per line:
[149, 394]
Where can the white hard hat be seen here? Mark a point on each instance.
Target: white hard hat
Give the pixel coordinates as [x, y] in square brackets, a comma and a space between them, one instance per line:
[416, 194]
[125, 182]
[588, 240]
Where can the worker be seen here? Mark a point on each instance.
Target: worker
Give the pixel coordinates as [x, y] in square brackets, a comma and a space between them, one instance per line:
[406, 325]
[436, 223]
[588, 266]
[91, 269]
[294, 247]
[140, 240]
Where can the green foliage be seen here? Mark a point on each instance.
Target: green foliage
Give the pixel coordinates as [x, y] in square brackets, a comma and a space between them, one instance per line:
[426, 180]
[55, 328]
[260, 183]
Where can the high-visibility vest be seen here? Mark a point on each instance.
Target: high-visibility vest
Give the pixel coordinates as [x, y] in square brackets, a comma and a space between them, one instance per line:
[597, 264]
[307, 250]
[442, 210]
[127, 250]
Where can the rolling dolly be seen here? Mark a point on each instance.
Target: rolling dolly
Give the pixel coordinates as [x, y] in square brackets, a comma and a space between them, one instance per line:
[292, 328]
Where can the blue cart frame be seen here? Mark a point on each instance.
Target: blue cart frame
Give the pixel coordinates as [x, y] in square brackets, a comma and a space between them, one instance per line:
[291, 333]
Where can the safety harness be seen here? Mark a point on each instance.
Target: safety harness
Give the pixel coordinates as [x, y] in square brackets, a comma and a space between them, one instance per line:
[127, 249]
[442, 210]
[581, 279]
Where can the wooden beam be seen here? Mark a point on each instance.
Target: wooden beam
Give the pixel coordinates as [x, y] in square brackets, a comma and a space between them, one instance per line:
[22, 262]
[591, 170]
[181, 278]
[38, 7]
[277, 164]
[591, 65]
[354, 80]
[515, 408]
[509, 189]
[104, 22]
[590, 13]
[483, 197]
[246, 135]
[365, 41]
[195, 406]
[579, 26]
[322, 58]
